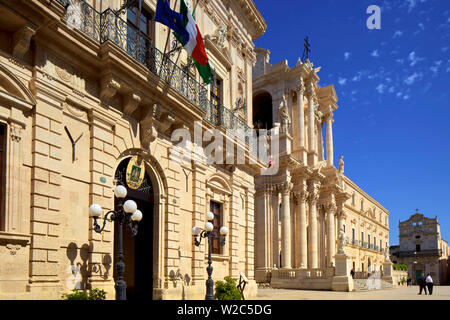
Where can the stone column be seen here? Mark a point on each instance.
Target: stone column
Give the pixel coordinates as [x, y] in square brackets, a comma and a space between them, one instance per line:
[300, 87]
[331, 210]
[275, 237]
[313, 261]
[286, 225]
[302, 230]
[329, 120]
[311, 118]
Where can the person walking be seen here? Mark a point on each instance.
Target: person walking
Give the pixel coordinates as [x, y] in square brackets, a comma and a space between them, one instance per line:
[421, 282]
[353, 273]
[429, 284]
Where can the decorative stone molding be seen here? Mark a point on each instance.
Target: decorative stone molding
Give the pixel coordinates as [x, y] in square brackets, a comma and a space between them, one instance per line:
[219, 36]
[21, 41]
[148, 132]
[16, 132]
[13, 248]
[130, 103]
[109, 89]
[285, 187]
[299, 85]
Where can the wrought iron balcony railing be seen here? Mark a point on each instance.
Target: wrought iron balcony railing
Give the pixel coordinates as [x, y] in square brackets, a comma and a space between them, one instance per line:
[376, 248]
[355, 242]
[422, 253]
[364, 244]
[371, 246]
[82, 16]
[108, 26]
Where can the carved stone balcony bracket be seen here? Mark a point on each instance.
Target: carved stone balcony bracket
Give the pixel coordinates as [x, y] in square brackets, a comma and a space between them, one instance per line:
[21, 40]
[109, 89]
[130, 103]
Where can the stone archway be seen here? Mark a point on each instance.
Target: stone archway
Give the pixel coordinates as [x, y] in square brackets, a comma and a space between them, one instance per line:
[152, 198]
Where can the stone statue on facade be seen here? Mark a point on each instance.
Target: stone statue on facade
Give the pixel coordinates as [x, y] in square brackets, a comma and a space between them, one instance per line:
[341, 165]
[220, 36]
[284, 116]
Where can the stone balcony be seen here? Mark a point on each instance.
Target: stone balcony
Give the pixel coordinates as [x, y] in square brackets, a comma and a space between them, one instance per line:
[111, 32]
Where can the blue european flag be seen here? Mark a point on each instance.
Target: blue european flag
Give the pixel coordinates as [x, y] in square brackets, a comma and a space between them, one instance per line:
[171, 18]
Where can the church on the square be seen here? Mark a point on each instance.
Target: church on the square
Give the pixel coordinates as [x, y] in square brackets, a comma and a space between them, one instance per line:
[303, 210]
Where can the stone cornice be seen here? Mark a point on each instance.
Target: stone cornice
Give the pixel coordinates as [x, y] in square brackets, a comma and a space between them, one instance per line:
[358, 189]
[254, 16]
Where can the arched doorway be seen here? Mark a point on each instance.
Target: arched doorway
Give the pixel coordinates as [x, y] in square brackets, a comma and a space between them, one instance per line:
[137, 250]
[262, 111]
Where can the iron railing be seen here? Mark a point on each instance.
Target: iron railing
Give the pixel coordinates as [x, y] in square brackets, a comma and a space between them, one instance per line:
[364, 244]
[422, 253]
[371, 246]
[109, 26]
[82, 16]
[355, 242]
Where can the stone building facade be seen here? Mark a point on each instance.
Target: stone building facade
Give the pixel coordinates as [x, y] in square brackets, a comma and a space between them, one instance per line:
[301, 211]
[83, 89]
[422, 248]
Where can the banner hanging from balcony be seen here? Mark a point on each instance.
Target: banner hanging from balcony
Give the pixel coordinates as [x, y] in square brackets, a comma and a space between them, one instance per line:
[193, 43]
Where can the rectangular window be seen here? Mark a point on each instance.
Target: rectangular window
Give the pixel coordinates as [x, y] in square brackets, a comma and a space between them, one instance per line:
[362, 236]
[216, 91]
[368, 239]
[417, 247]
[217, 221]
[2, 162]
[353, 234]
[139, 34]
[381, 244]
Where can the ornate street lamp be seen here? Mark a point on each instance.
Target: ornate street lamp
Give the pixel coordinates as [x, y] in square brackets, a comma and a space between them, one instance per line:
[126, 213]
[209, 233]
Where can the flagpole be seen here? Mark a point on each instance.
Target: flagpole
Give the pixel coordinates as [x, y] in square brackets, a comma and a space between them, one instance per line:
[179, 52]
[167, 41]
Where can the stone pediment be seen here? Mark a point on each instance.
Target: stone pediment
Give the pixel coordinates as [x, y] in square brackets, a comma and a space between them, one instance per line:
[222, 54]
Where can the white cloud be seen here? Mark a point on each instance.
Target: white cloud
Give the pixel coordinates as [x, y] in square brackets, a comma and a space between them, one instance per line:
[391, 89]
[401, 61]
[436, 67]
[414, 59]
[375, 53]
[399, 94]
[342, 81]
[346, 55]
[444, 49]
[397, 34]
[406, 97]
[380, 88]
[412, 78]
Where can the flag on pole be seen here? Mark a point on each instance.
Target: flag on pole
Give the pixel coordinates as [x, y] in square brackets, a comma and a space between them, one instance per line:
[188, 33]
[171, 19]
[195, 46]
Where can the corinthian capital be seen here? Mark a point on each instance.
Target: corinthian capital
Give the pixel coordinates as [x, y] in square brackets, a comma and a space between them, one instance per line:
[285, 187]
[313, 196]
[310, 92]
[299, 85]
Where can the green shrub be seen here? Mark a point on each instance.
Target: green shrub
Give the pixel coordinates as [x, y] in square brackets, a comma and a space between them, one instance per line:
[400, 267]
[227, 290]
[94, 294]
[403, 280]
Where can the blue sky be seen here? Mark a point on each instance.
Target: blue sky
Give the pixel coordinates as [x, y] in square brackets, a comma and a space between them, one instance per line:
[392, 125]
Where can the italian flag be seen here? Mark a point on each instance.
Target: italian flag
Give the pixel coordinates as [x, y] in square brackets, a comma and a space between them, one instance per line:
[195, 45]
